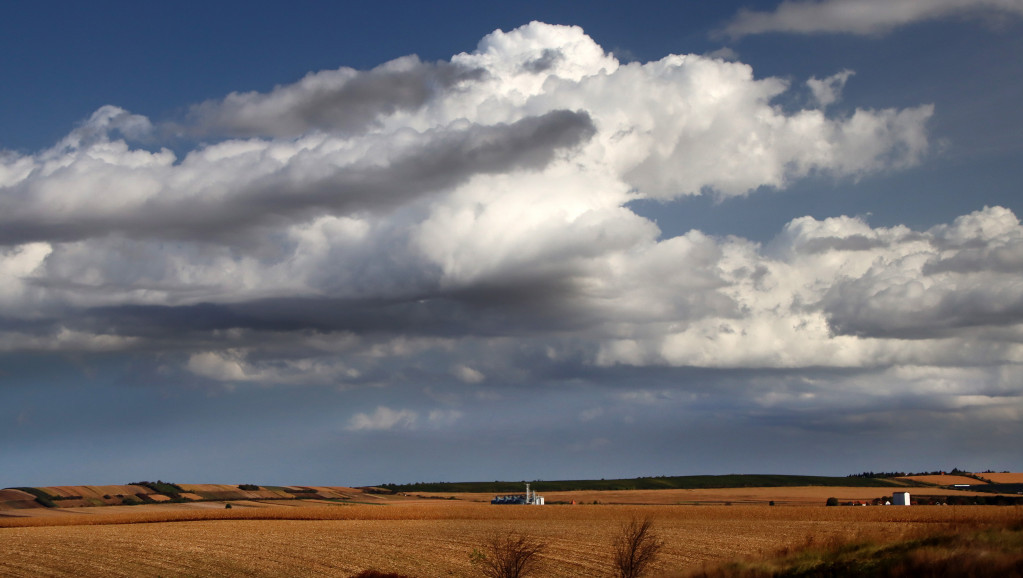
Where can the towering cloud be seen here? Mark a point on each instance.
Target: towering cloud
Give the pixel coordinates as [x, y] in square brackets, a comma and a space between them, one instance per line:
[471, 218]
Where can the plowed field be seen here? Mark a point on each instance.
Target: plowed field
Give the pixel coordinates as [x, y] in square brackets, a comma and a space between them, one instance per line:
[430, 538]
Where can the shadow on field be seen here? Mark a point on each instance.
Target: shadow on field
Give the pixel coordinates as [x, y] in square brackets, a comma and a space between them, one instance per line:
[948, 550]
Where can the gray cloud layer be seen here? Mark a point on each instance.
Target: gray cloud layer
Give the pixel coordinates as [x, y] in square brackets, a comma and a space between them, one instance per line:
[344, 101]
[860, 16]
[225, 190]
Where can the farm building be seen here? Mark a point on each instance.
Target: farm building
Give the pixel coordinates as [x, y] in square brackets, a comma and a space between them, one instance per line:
[531, 498]
[900, 499]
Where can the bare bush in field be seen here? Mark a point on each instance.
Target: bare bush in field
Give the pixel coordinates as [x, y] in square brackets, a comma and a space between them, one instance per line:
[635, 547]
[508, 556]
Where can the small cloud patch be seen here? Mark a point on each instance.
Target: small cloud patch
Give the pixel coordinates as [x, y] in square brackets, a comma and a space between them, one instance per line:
[383, 418]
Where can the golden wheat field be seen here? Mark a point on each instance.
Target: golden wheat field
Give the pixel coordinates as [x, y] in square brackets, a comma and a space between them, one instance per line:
[948, 480]
[424, 538]
[1004, 477]
[943, 479]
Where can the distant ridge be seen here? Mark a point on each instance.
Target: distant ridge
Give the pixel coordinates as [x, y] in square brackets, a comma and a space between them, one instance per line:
[652, 483]
[141, 493]
[162, 492]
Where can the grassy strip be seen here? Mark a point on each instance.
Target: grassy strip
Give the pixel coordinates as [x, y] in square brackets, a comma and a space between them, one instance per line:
[41, 496]
[966, 551]
[161, 487]
[653, 483]
[998, 488]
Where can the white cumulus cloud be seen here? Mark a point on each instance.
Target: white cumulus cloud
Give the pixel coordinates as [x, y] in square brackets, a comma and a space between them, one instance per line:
[383, 418]
[467, 374]
[839, 293]
[469, 221]
[828, 91]
[500, 177]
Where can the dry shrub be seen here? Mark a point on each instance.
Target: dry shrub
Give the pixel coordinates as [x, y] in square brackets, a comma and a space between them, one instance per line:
[635, 547]
[508, 556]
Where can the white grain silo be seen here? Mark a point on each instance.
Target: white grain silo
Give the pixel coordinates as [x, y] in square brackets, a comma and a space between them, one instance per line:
[900, 499]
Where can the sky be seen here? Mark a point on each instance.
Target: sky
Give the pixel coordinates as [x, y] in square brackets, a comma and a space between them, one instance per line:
[357, 244]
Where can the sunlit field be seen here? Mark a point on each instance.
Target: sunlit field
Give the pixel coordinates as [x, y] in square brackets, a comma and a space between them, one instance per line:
[431, 537]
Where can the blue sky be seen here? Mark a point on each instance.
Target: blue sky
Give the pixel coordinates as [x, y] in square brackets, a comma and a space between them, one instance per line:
[269, 243]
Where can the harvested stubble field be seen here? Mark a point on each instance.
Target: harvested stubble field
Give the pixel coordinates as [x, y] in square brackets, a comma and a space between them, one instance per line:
[943, 479]
[428, 538]
[949, 480]
[1004, 477]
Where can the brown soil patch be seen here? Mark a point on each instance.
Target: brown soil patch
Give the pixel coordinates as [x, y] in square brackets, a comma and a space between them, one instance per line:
[17, 500]
[226, 492]
[94, 491]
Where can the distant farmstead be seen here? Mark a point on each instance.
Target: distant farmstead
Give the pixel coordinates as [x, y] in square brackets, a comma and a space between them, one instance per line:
[531, 498]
